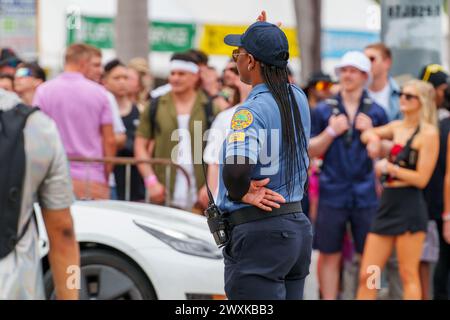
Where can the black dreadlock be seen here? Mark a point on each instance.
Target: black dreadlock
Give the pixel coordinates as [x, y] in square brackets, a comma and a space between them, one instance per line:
[293, 132]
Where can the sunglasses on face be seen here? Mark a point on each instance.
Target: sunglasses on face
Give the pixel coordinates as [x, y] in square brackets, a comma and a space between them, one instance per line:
[408, 96]
[323, 85]
[235, 55]
[23, 72]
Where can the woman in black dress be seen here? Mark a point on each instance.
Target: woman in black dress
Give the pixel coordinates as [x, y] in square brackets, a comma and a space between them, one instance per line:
[402, 216]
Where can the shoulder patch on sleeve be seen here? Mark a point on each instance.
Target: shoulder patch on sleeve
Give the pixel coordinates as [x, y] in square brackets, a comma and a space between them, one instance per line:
[242, 119]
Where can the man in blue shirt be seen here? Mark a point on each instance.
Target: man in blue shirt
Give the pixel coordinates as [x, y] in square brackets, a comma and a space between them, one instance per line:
[347, 180]
[383, 89]
[264, 169]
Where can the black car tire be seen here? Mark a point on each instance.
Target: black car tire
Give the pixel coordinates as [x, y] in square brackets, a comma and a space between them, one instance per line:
[106, 275]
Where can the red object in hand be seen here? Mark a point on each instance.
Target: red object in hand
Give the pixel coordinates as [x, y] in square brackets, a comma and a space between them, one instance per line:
[396, 149]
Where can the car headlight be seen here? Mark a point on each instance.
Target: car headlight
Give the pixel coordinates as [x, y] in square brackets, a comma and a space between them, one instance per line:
[182, 242]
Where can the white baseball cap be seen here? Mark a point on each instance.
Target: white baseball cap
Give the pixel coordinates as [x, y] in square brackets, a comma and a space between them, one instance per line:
[355, 59]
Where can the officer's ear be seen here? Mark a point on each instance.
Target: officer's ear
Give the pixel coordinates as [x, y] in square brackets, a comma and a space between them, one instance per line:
[251, 62]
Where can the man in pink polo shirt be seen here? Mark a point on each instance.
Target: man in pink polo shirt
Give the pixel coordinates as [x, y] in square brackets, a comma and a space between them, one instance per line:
[82, 114]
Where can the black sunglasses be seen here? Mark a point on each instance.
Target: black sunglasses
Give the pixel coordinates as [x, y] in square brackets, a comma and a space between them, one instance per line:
[408, 96]
[235, 55]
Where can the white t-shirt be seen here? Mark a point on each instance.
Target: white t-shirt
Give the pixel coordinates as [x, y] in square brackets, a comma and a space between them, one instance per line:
[381, 97]
[220, 129]
[160, 91]
[443, 114]
[182, 196]
[118, 125]
[217, 135]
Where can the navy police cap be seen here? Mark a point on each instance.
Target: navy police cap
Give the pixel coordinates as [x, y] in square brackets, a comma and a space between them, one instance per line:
[265, 41]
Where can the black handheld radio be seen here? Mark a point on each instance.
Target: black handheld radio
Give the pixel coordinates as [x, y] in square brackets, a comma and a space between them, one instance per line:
[216, 222]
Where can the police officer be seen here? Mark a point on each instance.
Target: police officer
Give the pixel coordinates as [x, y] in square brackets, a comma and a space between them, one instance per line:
[263, 170]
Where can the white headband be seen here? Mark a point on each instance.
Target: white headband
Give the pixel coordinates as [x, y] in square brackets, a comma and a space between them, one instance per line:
[184, 66]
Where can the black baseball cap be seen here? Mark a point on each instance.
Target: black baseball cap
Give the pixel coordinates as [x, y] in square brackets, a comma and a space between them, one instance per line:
[8, 58]
[265, 41]
[434, 74]
[317, 77]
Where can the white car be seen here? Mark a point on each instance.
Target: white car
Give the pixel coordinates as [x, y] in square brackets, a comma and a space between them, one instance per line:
[142, 251]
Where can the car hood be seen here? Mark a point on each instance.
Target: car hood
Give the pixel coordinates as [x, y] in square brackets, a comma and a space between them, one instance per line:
[164, 217]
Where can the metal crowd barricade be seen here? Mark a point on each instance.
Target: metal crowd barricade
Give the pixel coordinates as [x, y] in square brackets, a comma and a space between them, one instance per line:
[128, 163]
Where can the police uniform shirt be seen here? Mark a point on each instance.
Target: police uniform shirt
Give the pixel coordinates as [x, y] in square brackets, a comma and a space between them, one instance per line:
[347, 178]
[256, 133]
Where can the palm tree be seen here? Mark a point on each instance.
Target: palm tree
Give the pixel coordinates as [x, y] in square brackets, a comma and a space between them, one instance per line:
[132, 29]
[309, 33]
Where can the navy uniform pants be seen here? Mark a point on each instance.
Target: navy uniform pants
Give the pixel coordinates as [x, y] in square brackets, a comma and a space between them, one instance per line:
[268, 259]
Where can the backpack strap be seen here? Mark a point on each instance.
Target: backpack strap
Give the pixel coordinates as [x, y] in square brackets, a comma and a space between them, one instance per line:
[154, 127]
[367, 105]
[333, 103]
[209, 113]
[12, 170]
[25, 227]
[27, 112]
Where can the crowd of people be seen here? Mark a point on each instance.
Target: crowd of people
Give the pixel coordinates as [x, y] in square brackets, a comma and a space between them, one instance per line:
[380, 193]
[379, 178]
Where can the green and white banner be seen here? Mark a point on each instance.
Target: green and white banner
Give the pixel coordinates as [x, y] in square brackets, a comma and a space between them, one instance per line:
[99, 32]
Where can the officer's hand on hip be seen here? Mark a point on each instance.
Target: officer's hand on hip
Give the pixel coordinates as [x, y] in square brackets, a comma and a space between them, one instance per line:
[339, 124]
[260, 196]
[363, 122]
